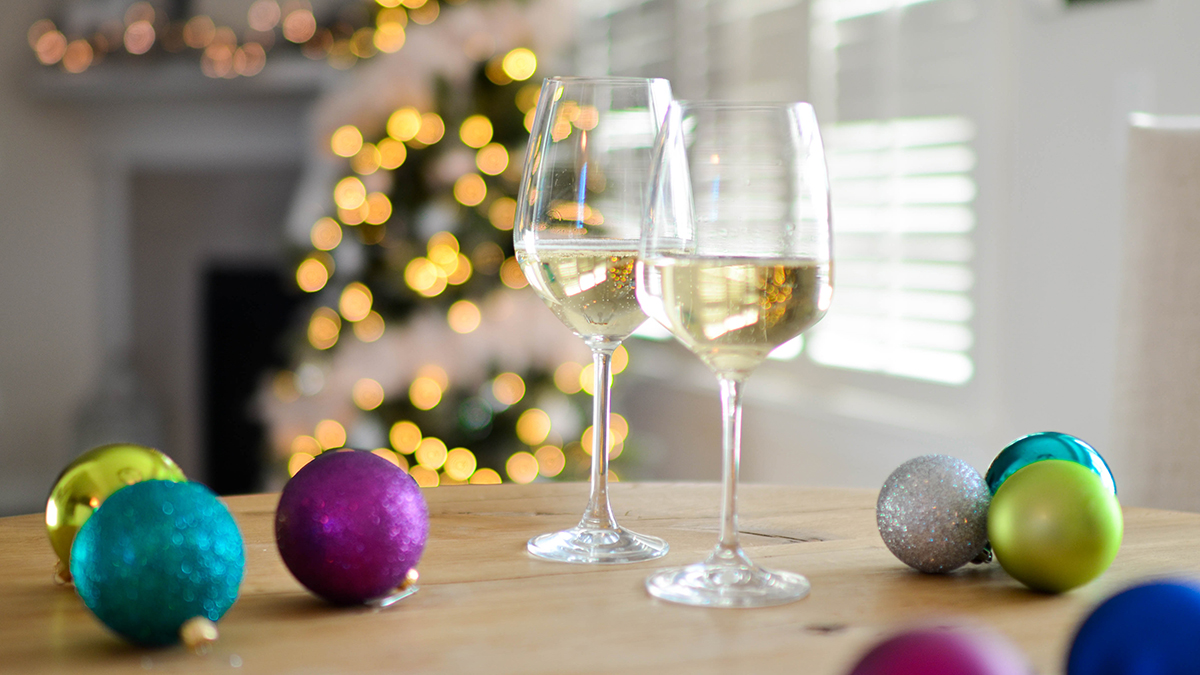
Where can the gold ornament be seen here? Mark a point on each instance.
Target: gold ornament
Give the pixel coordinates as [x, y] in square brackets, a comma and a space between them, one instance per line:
[89, 480]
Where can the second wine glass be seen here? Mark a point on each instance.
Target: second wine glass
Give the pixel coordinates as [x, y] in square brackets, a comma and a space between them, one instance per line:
[576, 235]
[735, 261]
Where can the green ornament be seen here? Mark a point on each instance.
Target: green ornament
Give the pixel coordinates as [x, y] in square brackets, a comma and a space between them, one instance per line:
[86, 482]
[1055, 525]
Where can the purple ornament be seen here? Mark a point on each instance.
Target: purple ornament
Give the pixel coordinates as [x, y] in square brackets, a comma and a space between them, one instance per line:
[943, 651]
[350, 526]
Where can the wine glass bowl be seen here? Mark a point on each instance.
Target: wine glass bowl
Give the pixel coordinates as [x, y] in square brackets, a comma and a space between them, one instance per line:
[734, 261]
[576, 235]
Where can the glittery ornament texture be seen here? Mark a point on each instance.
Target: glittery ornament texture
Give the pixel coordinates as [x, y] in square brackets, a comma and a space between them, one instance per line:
[156, 554]
[932, 513]
[350, 525]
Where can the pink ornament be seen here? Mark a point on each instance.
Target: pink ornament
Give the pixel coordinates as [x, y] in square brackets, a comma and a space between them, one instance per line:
[350, 526]
[943, 651]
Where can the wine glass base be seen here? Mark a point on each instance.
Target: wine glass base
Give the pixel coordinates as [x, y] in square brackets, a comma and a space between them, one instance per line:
[733, 585]
[591, 545]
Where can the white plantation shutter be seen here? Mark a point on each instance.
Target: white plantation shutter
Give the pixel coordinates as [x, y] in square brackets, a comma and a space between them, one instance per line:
[895, 84]
[896, 87]
[742, 49]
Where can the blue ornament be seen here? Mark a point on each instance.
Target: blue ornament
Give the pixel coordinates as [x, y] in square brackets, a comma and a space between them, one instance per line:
[155, 555]
[1047, 445]
[1149, 629]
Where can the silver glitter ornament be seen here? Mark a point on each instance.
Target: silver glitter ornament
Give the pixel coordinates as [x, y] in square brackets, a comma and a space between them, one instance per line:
[932, 514]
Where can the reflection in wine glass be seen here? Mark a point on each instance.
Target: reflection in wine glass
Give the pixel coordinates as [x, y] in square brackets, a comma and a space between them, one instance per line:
[735, 260]
[576, 235]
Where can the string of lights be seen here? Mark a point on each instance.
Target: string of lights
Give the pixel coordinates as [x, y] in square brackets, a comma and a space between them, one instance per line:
[360, 30]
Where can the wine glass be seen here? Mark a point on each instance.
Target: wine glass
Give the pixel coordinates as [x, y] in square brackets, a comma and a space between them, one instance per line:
[576, 236]
[735, 260]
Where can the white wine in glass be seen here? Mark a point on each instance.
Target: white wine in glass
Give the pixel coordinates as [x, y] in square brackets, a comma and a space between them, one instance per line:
[731, 312]
[734, 261]
[576, 235]
[588, 285]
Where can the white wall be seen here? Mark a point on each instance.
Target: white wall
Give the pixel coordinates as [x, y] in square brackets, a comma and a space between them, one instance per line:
[69, 149]
[1051, 225]
[1079, 73]
[49, 323]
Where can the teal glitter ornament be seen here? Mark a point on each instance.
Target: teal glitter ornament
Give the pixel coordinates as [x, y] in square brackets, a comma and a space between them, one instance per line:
[1042, 446]
[155, 556]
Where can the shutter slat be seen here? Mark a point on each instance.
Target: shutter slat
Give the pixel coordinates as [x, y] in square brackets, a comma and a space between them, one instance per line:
[901, 161]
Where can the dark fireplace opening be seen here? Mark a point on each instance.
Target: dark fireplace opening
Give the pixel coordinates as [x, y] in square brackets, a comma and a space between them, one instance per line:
[245, 313]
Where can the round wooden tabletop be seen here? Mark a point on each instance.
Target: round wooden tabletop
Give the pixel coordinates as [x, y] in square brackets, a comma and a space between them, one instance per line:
[486, 606]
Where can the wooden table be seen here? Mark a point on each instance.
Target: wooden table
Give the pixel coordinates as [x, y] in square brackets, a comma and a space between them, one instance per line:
[485, 606]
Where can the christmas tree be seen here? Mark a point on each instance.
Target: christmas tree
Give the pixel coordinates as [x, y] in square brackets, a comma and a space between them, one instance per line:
[422, 342]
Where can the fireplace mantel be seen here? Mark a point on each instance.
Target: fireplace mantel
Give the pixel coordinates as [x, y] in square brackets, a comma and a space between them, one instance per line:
[180, 79]
[166, 117]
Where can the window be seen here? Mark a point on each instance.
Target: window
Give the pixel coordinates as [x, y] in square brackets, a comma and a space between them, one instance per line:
[895, 87]
[903, 218]
[893, 82]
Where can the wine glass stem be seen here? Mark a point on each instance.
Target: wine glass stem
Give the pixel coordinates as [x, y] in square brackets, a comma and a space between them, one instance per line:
[731, 414]
[599, 514]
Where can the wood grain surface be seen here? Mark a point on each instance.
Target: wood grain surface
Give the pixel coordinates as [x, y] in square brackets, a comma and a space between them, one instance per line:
[485, 606]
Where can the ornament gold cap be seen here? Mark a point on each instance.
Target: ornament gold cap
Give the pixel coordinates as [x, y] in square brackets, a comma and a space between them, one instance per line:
[198, 633]
[410, 579]
[405, 589]
[62, 573]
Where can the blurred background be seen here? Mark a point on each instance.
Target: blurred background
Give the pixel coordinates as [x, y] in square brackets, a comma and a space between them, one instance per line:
[244, 231]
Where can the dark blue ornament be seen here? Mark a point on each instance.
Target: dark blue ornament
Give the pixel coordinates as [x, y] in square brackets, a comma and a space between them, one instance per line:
[156, 554]
[1151, 629]
[1046, 445]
